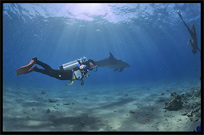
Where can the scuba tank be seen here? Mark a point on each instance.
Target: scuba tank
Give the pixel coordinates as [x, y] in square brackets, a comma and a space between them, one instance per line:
[72, 64]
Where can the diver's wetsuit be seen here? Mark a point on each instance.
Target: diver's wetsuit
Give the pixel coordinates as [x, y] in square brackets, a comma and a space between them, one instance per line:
[59, 74]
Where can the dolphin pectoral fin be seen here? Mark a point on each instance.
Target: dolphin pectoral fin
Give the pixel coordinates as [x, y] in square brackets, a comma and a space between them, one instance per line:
[115, 69]
[121, 70]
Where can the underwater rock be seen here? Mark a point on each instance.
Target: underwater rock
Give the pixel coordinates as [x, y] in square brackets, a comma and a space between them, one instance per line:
[66, 103]
[195, 110]
[132, 112]
[43, 92]
[185, 113]
[161, 99]
[48, 110]
[52, 100]
[195, 96]
[27, 117]
[167, 90]
[82, 123]
[174, 103]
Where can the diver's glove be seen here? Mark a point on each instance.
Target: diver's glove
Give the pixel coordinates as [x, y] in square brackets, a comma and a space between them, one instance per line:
[86, 75]
[82, 82]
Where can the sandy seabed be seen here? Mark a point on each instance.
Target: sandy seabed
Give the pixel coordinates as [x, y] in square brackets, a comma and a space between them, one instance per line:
[121, 108]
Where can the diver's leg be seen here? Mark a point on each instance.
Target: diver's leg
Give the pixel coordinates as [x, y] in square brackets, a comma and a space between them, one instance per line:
[189, 30]
[50, 73]
[43, 71]
[47, 69]
[45, 66]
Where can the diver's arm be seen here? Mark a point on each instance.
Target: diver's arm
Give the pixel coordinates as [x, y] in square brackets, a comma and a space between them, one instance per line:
[78, 67]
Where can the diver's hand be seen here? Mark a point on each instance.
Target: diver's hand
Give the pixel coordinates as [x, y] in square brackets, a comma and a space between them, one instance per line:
[178, 12]
[82, 82]
[82, 67]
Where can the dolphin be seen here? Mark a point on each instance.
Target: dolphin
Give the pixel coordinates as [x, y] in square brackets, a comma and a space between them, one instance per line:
[193, 40]
[112, 62]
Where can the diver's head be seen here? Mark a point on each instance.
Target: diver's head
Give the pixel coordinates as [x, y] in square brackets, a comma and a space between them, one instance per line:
[92, 65]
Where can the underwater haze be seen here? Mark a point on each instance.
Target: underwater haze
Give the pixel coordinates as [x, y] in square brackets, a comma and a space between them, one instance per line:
[150, 37]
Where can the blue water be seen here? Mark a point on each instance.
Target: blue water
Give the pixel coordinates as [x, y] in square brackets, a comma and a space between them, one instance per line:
[151, 38]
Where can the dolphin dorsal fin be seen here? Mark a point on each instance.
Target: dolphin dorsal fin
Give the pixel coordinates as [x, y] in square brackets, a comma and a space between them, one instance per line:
[111, 56]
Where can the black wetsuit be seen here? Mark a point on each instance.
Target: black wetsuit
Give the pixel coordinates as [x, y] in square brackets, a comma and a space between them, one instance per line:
[59, 74]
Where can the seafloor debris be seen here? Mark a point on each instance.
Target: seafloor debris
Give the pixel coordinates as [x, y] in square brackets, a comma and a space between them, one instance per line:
[190, 100]
[132, 112]
[174, 103]
[33, 109]
[52, 100]
[66, 103]
[43, 92]
[27, 117]
[48, 110]
[195, 109]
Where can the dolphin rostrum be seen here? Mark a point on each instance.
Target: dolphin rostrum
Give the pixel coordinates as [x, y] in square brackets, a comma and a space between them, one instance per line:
[112, 62]
[193, 40]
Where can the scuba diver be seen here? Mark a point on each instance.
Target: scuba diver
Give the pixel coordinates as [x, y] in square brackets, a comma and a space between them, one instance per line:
[193, 40]
[74, 70]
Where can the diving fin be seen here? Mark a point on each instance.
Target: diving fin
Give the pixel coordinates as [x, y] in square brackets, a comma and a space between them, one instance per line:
[25, 69]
